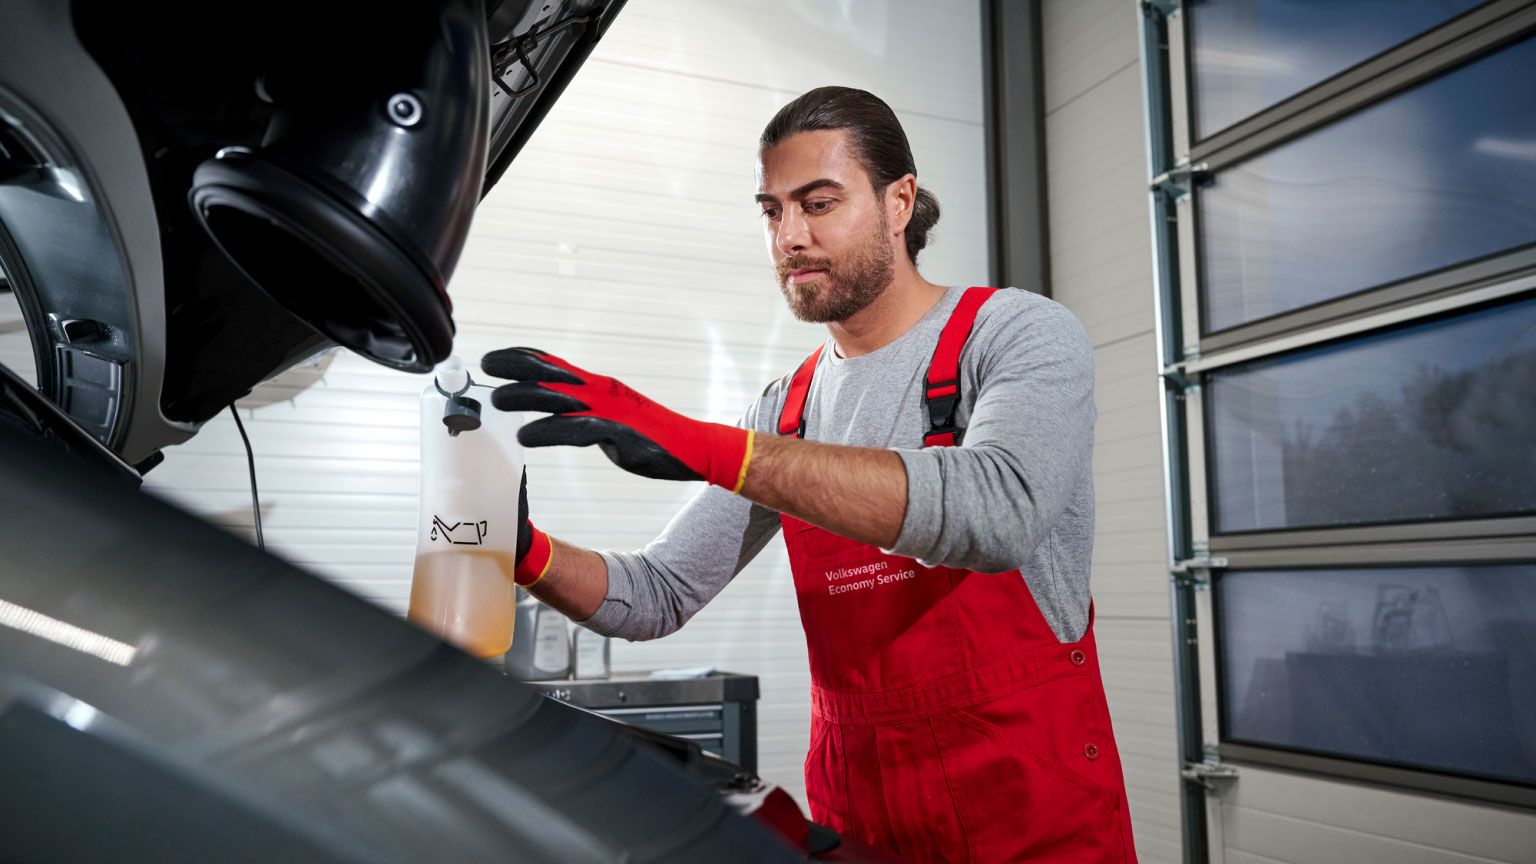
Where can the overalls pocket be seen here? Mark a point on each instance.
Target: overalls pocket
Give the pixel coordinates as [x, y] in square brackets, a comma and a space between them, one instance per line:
[1018, 794]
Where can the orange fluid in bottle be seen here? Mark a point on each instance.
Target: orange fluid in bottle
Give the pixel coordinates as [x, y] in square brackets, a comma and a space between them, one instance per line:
[467, 597]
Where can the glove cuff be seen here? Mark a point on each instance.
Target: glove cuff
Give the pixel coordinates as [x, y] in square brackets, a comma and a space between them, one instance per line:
[731, 455]
[532, 567]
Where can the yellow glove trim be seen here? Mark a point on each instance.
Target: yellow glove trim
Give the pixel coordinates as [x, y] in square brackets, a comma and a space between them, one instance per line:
[542, 573]
[746, 460]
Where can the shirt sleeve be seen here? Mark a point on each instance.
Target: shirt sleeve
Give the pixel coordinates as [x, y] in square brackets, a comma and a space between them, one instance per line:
[1028, 441]
[655, 590]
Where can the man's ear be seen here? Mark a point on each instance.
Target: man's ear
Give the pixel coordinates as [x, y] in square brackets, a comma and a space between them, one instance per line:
[900, 201]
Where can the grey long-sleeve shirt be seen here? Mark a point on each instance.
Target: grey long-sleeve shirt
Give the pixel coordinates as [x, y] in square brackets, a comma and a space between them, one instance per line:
[1017, 495]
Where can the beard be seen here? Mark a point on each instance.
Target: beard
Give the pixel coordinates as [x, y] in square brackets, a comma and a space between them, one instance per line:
[845, 288]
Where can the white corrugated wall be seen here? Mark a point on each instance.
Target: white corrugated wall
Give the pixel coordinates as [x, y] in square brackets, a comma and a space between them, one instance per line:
[15, 344]
[624, 238]
[1101, 269]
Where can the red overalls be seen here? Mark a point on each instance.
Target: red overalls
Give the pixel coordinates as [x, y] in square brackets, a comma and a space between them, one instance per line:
[948, 723]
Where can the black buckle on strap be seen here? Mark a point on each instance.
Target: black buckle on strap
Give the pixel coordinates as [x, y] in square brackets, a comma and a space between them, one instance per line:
[941, 411]
[941, 430]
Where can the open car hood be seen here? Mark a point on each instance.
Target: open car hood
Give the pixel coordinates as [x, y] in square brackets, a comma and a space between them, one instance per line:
[195, 197]
[168, 693]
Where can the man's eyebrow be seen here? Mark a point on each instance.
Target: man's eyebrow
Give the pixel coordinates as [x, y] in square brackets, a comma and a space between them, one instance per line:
[802, 190]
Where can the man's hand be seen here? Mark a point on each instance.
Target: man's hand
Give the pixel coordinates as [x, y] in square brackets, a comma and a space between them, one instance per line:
[637, 434]
[533, 546]
[857, 492]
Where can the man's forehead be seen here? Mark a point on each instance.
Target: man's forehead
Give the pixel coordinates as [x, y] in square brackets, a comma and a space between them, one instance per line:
[807, 156]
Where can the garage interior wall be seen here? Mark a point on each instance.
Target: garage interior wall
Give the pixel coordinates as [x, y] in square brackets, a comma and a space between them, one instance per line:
[1101, 269]
[625, 238]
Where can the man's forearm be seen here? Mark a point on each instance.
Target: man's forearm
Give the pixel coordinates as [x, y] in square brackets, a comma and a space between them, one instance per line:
[576, 582]
[857, 492]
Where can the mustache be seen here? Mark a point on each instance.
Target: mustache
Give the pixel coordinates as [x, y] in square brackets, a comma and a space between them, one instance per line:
[801, 262]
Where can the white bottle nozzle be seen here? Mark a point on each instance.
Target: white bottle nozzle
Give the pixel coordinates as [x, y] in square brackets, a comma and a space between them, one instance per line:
[451, 375]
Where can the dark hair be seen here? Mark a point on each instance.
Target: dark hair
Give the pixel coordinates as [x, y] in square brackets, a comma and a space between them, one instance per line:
[878, 140]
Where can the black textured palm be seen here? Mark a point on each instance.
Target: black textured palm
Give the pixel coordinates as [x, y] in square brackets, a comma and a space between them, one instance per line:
[524, 527]
[623, 446]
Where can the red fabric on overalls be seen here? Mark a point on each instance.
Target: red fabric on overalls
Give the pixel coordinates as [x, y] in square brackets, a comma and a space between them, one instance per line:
[948, 723]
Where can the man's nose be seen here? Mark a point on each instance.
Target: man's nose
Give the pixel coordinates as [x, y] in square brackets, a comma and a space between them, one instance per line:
[794, 235]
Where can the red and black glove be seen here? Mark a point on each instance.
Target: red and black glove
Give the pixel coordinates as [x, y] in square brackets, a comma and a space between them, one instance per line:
[533, 546]
[637, 434]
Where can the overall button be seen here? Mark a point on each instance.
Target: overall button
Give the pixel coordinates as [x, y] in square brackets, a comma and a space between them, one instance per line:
[1091, 751]
[1078, 658]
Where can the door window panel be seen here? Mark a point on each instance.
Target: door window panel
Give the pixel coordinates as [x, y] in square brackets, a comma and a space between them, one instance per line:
[1250, 54]
[1436, 176]
[1425, 667]
[1433, 421]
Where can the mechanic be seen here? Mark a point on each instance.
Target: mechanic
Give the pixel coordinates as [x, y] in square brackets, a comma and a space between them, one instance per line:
[930, 467]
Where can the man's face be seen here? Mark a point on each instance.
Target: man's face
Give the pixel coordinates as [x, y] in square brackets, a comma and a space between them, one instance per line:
[826, 226]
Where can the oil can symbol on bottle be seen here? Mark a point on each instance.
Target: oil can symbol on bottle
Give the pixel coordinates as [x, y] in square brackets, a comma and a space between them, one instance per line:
[459, 533]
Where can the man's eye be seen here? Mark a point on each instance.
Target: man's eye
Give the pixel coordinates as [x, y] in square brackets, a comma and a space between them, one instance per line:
[817, 206]
[770, 213]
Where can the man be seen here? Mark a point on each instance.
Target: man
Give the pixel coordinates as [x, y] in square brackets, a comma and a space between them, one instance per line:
[930, 467]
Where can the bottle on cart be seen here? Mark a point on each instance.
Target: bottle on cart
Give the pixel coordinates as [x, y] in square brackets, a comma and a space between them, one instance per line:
[593, 657]
[541, 650]
[466, 538]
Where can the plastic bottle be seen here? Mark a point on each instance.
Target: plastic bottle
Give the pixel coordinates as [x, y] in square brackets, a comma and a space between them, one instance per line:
[592, 656]
[466, 540]
[542, 650]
